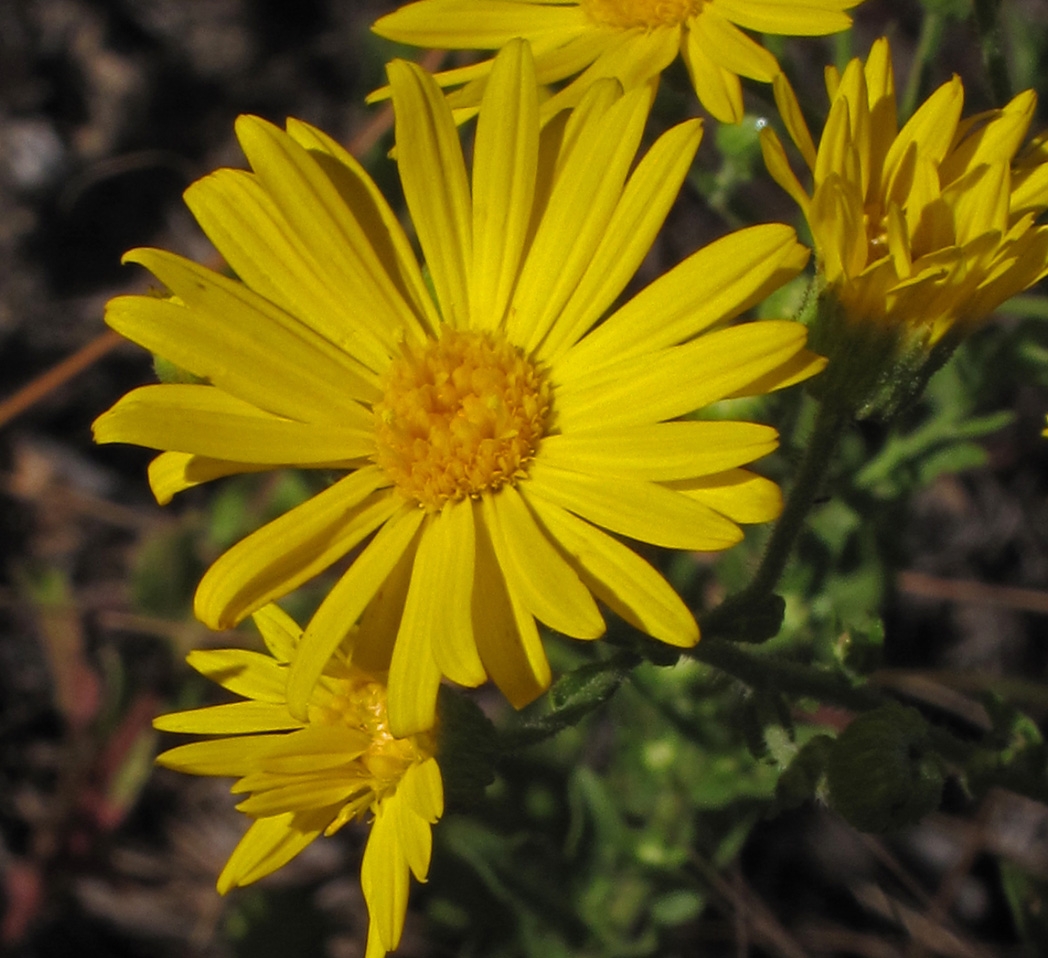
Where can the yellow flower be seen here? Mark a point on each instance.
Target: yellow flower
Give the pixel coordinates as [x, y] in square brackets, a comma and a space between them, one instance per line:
[919, 232]
[309, 777]
[482, 444]
[631, 40]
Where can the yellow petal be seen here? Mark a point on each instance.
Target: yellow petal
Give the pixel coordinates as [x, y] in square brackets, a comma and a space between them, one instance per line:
[534, 571]
[230, 719]
[206, 421]
[278, 630]
[475, 24]
[789, 19]
[929, 131]
[384, 879]
[416, 836]
[993, 142]
[718, 90]
[433, 173]
[884, 124]
[618, 576]
[293, 548]
[224, 757]
[347, 599]
[740, 495]
[269, 844]
[450, 551]
[240, 342]
[837, 223]
[790, 110]
[979, 202]
[671, 382]
[730, 48]
[373, 641]
[505, 163]
[414, 676]
[378, 220]
[173, 472]
[715, 283]
[635, 58]
[646, 511]
[422, 789]
[296, 271]
[663, 451]
[320, 793]
[345, 256]
[799, 367]
[629, 235]
[507, 637]
[315, 749]
[585, 194]
[243, 672]
[779, 167]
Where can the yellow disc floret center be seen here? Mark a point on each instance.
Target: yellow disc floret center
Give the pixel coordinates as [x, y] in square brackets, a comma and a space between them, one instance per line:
[459, 415]
[371, 760]
[641, 13]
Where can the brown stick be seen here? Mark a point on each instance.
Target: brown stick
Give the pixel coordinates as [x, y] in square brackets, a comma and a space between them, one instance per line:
[35, 390]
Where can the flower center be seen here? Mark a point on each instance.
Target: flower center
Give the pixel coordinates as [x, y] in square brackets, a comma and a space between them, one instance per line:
[459, 415]
[641, 13]
[352, 699]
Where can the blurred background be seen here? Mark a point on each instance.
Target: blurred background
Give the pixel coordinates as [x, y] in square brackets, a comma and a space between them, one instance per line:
[625, 836]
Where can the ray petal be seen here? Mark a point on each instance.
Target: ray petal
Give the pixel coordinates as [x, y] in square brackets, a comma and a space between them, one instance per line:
[505, 165]
[347, 599]
[618, 576]
[646, 511]
[535, 572]
[206, 421]
[716, 283]
[436, 188]
[240, 342]
[662, 451]
[671, 382]
[293, 548]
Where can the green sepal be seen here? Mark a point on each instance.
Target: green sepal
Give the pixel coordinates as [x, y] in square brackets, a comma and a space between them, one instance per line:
[876, 370]
[466, 748]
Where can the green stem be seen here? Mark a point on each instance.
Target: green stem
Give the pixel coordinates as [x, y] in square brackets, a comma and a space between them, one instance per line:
[760, 670]
[992, 38]
[829, 425]
[573, 696]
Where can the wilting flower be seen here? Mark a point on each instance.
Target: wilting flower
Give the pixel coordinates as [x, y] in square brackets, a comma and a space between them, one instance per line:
[310, 776]
[920, 233]
[631, 40]
[487, 437]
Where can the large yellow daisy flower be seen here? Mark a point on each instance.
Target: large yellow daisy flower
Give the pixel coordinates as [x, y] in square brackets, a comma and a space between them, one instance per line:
[631, 40]
[487, 437]
[923, 231]
[308, 777]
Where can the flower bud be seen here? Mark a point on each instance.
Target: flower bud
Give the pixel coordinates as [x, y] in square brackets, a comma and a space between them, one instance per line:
[882, 773]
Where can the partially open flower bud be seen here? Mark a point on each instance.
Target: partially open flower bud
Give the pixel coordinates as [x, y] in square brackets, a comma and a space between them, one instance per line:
[882, 773]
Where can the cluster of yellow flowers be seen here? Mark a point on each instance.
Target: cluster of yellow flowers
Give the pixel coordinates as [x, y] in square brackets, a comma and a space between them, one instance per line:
[494, 426]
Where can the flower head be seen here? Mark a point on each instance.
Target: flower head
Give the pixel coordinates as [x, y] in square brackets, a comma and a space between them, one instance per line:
[631, 40]
[487, 440]
[921, 232]
[307, 777]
